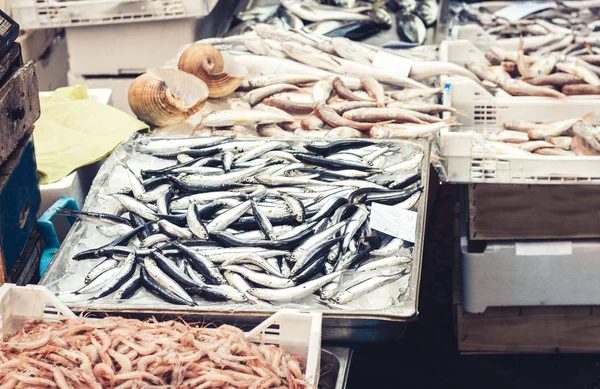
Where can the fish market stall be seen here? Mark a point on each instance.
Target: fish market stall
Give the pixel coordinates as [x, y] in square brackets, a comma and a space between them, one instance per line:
[254, 233]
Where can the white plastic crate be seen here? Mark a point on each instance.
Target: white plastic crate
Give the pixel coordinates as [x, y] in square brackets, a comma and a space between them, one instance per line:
[475, 34]
[127, 49]
[530, 274]
[294, 331]
[32, 14]
[464, 154]
[18, 303]
[486, 110]
[467, 159]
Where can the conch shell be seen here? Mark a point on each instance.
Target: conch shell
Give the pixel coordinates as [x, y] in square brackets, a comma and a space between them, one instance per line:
[162, 97]
[218, 70]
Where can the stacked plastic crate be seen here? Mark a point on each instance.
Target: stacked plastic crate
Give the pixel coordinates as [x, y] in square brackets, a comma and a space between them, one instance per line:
[110, 42]
[530, 225]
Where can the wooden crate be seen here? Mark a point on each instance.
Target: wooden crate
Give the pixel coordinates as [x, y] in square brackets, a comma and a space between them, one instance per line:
[19, 100]
[516, 212]
[541, 329]
[19, 204]
[534, 329]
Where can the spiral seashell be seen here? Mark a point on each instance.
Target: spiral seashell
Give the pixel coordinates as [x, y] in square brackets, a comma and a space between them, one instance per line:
[221, 73]
[162, 97]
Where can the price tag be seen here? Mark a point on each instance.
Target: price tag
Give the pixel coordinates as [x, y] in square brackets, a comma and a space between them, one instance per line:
[394, 221]
[543, 248]
[521, 9]
[394, 63]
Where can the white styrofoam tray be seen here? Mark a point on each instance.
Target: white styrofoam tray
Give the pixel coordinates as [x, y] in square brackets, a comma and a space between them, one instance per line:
[118, 85]
[294, 331]
[529, 273]
[32, 14]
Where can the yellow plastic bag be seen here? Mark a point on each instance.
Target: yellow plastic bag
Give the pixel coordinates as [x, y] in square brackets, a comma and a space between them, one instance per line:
[74, 130]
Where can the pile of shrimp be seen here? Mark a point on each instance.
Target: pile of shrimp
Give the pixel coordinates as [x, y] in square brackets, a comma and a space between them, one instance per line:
[114, 352]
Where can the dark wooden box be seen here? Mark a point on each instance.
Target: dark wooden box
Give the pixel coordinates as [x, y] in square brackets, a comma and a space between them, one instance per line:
[19, 203]
[19, 100]
[516, 212]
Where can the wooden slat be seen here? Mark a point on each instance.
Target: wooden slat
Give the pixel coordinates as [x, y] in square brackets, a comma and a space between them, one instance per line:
[20, 104]
[556, 311]
[10, 62]
[533, 211]
[480, 333]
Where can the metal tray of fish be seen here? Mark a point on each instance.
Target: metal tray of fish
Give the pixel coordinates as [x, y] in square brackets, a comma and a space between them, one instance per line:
[385, 287]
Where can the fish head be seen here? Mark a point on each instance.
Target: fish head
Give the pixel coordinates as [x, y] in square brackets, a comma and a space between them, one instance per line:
[342, 298]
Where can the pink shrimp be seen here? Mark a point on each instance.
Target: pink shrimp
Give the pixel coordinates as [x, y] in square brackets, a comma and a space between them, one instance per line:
[60, 379]
[140, 375]
[30, 345]
[141, 349]
[104, 373]
[122, 360]
[33, 380]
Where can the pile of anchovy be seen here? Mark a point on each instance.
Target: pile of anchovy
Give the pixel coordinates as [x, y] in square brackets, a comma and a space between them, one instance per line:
[255, 221]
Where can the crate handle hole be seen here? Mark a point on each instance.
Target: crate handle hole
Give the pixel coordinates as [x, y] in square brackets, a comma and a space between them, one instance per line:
[24, 215]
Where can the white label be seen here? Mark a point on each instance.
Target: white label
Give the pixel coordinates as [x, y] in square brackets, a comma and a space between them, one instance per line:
[521, 9]
[394, 221]
[543, 248]
[393, 63]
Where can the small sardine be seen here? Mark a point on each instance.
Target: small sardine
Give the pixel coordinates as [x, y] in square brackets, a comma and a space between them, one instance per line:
[411, 94]
[563, 142]
[522, 88]
[294, 293]
[332, 118]
[579, 71]
[375, 89]
[243, 117]
[581, 89]
[258, 95]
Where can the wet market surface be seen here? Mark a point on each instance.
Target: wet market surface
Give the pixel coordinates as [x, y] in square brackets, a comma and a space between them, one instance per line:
[426, 355]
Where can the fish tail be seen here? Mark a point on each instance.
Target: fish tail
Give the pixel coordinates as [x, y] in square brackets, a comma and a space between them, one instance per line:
[451, 121]
[460, 112]
[587, 118]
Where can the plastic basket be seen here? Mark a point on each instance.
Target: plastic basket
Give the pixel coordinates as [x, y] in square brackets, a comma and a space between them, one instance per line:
[466, 159]
[18, 303]
[32, 14]
[294, 331]
[465, 155]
